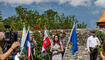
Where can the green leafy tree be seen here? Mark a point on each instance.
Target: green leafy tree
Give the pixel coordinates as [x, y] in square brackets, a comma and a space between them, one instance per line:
[1, 22]
[50, 18]
[83, 25]
[37, 21]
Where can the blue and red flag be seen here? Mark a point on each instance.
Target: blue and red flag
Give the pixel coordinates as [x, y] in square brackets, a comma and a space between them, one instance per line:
[27, 46]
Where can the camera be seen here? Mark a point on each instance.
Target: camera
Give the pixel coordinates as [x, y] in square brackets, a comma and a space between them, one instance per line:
[10, 37]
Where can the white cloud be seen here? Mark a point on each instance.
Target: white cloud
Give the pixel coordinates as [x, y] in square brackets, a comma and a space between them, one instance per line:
[62, 1]
[30, 1]
[71, 2]
[100, 3]
[80, 2]
[20, 1]
[74, 3]
[95, 12]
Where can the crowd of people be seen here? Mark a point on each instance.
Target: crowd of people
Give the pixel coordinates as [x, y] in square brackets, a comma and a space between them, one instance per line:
[58, 45]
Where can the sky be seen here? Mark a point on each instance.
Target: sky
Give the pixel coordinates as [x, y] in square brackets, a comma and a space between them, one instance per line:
[87, 11]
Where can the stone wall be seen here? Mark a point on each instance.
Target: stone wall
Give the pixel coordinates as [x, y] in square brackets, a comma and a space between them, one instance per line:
[82, 35]
[81, 54]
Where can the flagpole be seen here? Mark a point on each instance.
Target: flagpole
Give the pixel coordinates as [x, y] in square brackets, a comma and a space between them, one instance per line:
[70, 34]
[31, 56]
[28, 28]
[21, 51]
[69, 40]
[47, 32]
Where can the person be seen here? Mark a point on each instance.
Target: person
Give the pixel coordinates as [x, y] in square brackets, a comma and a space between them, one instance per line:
[1, 41]
[5, 55]
[63, 41]
[32, 47]
[61, 38]
[92, 43]
[52, 37]
[56, 49]
[102, 53]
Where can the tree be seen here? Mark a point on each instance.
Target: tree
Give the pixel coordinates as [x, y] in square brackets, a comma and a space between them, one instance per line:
[0, 17]
[83, 25]
[50, 14]
[35, 20]
[50, 18]
[1, 22]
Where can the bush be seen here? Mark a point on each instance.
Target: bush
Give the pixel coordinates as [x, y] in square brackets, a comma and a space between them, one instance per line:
[38, 36]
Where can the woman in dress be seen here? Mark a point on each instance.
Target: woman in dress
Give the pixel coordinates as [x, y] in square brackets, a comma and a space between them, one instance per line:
[56, 49]
[102, 53]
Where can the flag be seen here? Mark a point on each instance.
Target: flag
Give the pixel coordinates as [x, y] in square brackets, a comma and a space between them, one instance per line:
[24, 35]
[74, 41]
[27, 46]
[50, 38]
[45, 43]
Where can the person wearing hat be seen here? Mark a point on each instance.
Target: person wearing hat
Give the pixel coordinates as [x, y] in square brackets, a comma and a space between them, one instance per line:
[92, 43]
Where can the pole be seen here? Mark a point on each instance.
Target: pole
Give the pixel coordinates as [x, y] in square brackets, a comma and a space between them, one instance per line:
[68, 40]
[70, 35]
[31, 56]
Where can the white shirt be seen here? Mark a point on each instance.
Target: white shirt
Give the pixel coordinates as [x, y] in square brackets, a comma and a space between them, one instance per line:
[92, 42]
[17, 56]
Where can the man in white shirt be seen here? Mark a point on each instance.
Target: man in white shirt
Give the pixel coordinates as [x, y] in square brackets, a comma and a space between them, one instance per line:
[92, 42]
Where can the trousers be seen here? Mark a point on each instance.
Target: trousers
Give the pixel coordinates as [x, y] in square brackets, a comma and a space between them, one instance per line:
[93, 54]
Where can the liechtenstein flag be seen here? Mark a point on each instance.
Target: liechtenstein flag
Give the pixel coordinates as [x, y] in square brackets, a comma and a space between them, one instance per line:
[27, 46]
[74, 41]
